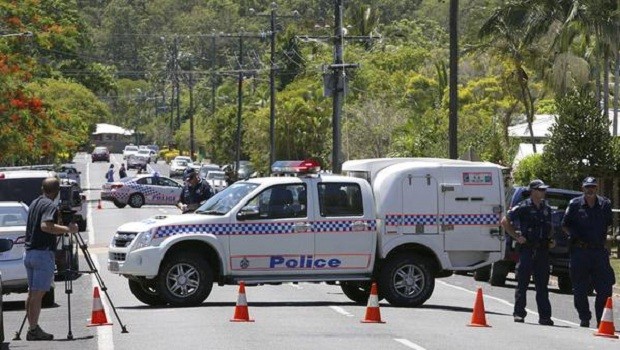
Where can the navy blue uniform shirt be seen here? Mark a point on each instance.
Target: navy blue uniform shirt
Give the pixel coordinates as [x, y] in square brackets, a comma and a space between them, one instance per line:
[195, 194]
[534, 223]
[588, 224]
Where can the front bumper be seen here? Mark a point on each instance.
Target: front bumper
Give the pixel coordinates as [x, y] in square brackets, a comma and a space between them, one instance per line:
[142, 262]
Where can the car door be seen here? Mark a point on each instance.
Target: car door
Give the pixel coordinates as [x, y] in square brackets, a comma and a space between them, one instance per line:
[169, 190]
[344, 233]
[272, 235]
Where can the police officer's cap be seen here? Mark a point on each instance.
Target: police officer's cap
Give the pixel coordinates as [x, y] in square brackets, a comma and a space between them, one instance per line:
[189, 172]
[589, 182]
[537, 184]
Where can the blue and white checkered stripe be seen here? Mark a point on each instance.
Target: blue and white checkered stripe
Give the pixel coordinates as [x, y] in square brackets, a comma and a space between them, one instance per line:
[471, 219]
[261, 228]
[409, 220]
[447, 219]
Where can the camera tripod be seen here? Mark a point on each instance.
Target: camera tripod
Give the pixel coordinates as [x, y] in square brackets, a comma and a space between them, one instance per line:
[69, 241]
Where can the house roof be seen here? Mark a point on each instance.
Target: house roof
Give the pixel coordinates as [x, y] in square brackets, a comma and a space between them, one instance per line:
[542, 125]
[112, 129]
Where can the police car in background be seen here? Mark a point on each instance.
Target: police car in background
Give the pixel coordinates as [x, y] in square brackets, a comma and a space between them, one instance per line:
[400, 221]
[142, 189]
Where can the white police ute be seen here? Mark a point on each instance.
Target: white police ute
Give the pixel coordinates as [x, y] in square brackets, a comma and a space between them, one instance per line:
[399, 221]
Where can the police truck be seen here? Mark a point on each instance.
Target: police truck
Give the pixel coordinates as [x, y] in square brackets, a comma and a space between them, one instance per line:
[401, 222]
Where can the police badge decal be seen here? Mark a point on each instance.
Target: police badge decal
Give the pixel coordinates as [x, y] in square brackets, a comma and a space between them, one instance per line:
[244, 263]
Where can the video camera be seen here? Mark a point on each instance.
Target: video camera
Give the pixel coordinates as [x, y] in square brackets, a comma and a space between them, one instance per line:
[69, 198]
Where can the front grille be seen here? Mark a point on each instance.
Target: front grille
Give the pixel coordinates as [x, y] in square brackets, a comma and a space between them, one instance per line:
[117, 256]
[123, 239]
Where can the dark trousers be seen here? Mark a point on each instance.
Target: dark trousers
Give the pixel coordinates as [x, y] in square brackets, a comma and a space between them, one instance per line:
[590, 267]
[533, 262]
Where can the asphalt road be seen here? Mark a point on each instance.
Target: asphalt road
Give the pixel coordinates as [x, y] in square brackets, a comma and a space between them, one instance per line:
[289, 316]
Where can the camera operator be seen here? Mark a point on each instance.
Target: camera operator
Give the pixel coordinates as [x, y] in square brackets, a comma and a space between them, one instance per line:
[41, 229]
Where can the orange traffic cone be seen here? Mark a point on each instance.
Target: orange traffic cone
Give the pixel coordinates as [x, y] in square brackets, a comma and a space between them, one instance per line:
[99, 204]
[373, 314]
[606, 327]
[241, 309]
[478, 318]
[98, 317]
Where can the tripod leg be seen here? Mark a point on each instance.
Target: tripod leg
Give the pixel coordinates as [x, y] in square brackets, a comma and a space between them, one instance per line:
[18, 333]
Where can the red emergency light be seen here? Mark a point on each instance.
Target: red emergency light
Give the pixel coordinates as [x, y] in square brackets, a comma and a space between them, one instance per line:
[295, 167]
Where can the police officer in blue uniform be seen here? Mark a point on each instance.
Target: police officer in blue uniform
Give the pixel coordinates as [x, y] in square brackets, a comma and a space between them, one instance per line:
[586, 222]
[194, 192]
[533, 217]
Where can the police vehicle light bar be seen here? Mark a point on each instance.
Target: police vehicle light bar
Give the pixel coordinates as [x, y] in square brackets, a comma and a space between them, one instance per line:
[295, 167]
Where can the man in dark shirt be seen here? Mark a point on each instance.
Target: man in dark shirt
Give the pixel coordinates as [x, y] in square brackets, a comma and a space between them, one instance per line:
[586, 221]
[532, 218]
[41, 230]
[194, 192]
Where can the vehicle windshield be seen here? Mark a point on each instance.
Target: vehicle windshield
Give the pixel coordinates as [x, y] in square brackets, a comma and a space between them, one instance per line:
[180, 162]
[13, 216]
[224, 201]
[144, 151]
[131, 148]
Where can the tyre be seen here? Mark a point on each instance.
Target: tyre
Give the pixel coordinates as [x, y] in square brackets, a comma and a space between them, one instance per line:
[406, 280]
[146, 292]
[119, 204]
[136, 200]
[49, 299]
[565, 285]
[185, 280]
[356, 291]
[499, 271]
[482, 274]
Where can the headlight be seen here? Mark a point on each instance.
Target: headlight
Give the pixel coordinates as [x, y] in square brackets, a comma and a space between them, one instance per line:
[143, 240]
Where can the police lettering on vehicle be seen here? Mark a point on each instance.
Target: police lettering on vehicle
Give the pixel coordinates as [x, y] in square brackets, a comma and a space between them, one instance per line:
[302, 262]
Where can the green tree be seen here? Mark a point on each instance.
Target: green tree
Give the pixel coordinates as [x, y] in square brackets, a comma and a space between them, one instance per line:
[580, 142]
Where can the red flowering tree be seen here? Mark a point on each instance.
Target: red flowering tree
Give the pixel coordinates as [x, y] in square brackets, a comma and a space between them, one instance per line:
[31, 129]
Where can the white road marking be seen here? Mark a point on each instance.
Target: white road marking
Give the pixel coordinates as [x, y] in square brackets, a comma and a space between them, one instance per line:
[105, 336]
[340, 310]
[409, 344]
[505, 302]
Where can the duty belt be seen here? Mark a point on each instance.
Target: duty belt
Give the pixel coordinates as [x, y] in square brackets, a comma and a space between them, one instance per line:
[585, 245]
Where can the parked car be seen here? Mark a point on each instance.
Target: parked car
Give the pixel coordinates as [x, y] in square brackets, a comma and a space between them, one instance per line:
[5, 246]
[68, 171]
[147, 154]
[177, 167]
[205, 168]
[13, 218]
[154, 148]
[129, 150]
[216, 179]
[100, 154]
[141, 190]
[135, 161]
[559, 258]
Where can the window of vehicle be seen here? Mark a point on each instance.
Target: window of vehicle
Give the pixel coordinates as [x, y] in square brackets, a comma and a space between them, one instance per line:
[340, 199]
[277, 202]
[131, 148]
[24, 189]
[222, 202]
[13, 216]
[151, 181]
[167, 182]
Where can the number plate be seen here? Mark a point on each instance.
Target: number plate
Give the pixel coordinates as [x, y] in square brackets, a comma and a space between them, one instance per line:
[113, 266]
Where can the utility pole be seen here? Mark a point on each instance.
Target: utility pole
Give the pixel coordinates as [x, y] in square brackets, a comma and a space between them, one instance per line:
[454, 66]
[213, 65]
[239, 104]
[339, 84]
[272, 74]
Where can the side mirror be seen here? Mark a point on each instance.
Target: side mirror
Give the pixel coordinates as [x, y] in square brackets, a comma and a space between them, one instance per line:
[247, 213]
[5, 245]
